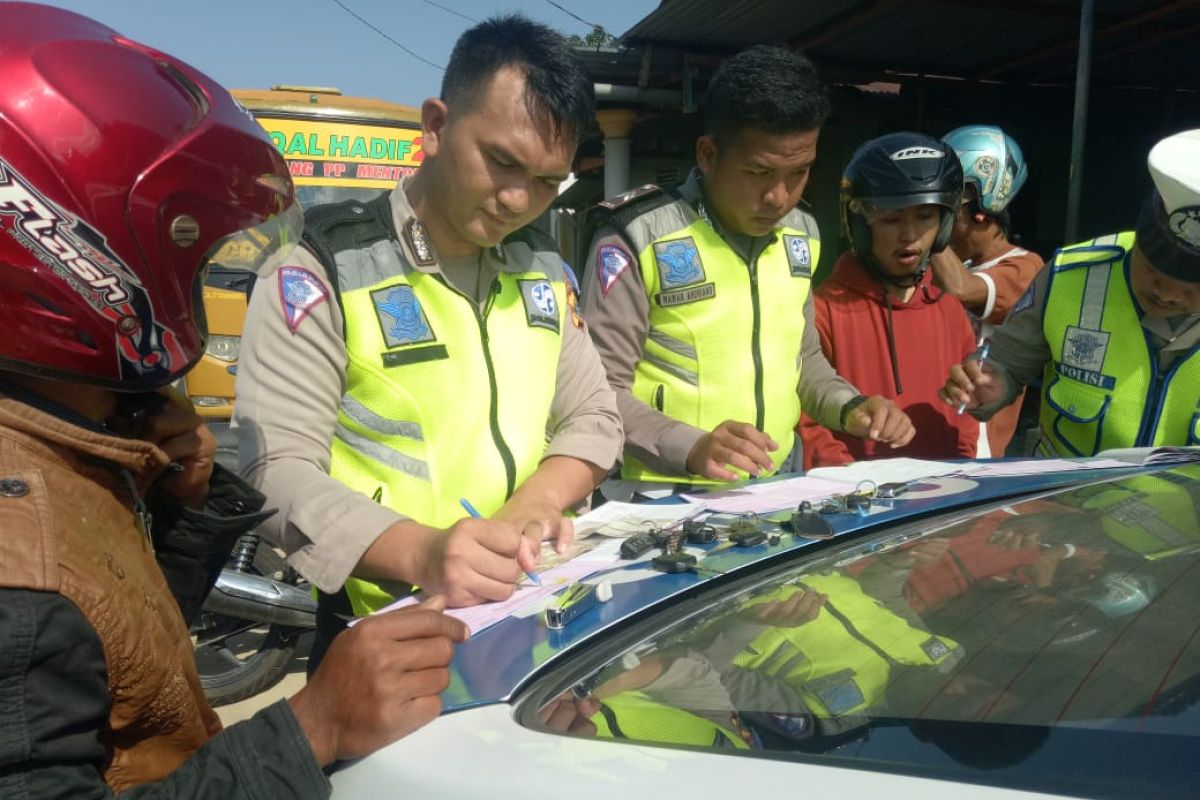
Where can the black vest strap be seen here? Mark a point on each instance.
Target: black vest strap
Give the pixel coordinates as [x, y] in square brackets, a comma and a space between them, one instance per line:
[352, 224]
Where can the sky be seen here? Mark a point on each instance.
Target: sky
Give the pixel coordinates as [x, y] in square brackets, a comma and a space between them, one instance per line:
[253, 44]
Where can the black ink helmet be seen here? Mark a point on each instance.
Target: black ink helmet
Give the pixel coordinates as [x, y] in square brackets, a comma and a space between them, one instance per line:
[897, 171]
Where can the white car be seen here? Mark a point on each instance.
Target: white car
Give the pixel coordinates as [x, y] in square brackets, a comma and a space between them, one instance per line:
[995, 638]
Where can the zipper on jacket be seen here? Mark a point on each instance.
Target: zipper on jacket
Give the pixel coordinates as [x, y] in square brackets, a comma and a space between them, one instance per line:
[756, 348]
[510, 464]
[658, 398]
[1159, 386]
[1153, 401]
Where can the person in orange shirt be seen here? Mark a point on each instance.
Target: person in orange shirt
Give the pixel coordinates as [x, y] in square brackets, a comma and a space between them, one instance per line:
[982, 267]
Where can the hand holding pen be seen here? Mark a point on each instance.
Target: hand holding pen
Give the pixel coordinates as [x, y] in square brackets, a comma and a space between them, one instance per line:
[983, 347]
[471, 510]
[972, 383]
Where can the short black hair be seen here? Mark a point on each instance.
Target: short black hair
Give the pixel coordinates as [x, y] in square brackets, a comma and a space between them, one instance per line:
[767, 87]
[558, 89]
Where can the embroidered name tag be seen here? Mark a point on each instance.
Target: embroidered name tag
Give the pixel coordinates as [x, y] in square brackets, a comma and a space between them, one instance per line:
[541, 309]
[691, 294]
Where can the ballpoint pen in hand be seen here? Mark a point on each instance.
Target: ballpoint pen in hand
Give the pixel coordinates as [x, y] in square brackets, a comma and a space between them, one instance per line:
[984, 344]
[470, 509]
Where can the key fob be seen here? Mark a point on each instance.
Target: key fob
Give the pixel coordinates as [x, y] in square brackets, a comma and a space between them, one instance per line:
[696, 532]
[809, 524]
[747, 538]
[637, 545]
[672, 563]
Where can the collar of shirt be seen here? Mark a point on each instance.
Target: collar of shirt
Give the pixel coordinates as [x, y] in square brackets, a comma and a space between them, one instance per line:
[746, 247]
[493, 259]
[1182, 336]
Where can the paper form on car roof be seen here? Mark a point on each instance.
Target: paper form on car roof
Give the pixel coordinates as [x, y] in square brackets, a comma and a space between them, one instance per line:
[527, 597]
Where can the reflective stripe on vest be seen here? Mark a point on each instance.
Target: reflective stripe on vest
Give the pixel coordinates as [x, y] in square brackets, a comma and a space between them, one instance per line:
[723, 338]
[1101, 388]
[636, 717]
[443, 402]
[840, 662]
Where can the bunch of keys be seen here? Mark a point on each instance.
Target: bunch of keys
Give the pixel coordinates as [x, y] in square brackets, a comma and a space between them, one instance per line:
[699, 532]
[856, 502]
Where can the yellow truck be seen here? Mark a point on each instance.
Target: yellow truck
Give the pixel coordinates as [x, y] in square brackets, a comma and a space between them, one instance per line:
[337, 148]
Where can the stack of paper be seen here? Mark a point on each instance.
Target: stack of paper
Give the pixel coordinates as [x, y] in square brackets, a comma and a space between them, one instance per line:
[1154, 455]
[625, 519]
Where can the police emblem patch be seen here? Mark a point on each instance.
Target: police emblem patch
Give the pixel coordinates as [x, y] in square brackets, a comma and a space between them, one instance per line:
[1185, 223]
[401, 317]
[799, 256]
[935, 648]
[1084, 349]
[541, 309]
[299, 293]
[611, 263]
[678, 263]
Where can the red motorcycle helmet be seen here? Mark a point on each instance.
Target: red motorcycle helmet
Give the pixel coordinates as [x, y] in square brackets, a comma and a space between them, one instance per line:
[123, 173]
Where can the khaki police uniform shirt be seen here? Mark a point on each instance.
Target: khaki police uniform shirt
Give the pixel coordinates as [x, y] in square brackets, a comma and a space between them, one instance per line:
[619, 321]
[289, 389]
[1020, 352]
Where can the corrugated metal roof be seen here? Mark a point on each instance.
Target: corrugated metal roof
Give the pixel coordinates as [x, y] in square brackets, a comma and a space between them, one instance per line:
[1137, 42]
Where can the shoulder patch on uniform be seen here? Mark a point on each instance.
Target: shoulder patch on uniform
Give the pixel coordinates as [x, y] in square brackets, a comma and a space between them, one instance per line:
[300, 291]
[611, 262]
[401, 317]
[631, 196]
[799, 256]
[679, 263]
[1024, 302]
[541, 309]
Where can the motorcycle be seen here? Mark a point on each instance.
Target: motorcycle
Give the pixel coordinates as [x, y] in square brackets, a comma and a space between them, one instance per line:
[248, 631]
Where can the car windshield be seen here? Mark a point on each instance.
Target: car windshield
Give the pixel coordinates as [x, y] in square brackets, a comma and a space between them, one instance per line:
[1051, 644]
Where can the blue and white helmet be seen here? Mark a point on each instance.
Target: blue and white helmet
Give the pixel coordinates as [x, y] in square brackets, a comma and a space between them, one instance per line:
[992, 161]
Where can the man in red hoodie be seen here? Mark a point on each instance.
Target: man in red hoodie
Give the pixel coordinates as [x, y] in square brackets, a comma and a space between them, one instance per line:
[883, 325]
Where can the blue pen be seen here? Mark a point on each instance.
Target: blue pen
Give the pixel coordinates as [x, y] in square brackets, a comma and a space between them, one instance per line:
[470, 509]
[984, 344]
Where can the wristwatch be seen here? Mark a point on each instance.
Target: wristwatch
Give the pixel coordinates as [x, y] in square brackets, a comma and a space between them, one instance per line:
[850, 405]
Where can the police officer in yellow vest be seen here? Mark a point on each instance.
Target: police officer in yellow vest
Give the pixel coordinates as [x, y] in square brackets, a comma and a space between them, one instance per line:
[424, 349]
[1155, 516]
[840, 655]
[698, 298]
[1111, 326]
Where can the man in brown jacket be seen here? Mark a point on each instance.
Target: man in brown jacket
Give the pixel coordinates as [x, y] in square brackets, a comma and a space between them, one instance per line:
[122, 171]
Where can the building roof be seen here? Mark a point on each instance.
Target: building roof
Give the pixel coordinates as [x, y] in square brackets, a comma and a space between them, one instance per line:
[1150, 43]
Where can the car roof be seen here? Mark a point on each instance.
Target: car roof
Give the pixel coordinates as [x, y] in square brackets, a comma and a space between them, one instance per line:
[499, 661]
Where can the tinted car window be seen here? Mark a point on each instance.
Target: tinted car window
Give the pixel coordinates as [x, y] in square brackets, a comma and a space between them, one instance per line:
[1053, 644]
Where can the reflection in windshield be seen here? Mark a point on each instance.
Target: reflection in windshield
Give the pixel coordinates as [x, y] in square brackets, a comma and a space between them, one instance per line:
[1076, 612]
